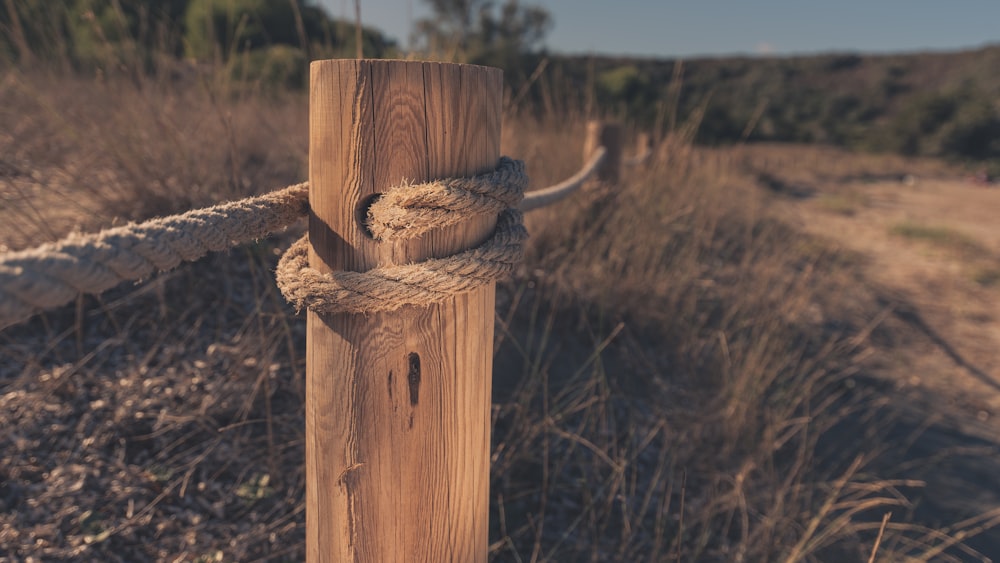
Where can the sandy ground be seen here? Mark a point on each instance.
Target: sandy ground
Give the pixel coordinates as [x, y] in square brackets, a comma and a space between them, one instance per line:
[951, 289]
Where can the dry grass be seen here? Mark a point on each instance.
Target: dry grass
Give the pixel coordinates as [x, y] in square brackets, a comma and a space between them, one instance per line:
[82, 153]
[679, 375]
[847, 203]
[727, 358]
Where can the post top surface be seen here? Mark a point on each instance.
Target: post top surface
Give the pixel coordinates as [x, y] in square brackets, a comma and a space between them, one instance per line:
[396, 62]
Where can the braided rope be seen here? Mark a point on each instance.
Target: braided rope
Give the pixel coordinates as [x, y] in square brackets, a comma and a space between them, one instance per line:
[392, 287]
[54, 274]
[562, 190]
[408, 211]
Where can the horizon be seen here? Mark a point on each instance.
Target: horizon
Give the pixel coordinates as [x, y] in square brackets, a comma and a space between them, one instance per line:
[770, 28]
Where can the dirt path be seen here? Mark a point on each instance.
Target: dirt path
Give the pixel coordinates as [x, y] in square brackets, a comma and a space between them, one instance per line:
[933, 246]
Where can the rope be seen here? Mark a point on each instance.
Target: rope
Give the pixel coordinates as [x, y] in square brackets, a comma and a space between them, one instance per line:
[548, 196]
[411, 210]
[54, 274]
[391, 287]
[406, 212]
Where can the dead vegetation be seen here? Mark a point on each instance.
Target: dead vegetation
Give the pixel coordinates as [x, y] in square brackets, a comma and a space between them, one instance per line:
[680, 373]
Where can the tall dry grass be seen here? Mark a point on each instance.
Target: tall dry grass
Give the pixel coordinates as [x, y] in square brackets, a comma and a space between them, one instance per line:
[693, 361]
[677, 376]
[81, 153]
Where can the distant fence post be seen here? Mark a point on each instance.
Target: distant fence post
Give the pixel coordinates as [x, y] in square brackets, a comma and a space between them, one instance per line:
[397, 404]
[643, 144]
[608, 135]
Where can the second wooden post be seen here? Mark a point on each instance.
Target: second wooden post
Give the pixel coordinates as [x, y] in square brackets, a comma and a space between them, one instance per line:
[608, 135]
[397, 404]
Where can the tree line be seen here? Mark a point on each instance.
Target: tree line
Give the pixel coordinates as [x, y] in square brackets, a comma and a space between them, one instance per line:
[262, 35]
[88, 33]
[920, 104]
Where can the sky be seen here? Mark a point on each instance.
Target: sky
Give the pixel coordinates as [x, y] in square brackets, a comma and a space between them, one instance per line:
[691, 28]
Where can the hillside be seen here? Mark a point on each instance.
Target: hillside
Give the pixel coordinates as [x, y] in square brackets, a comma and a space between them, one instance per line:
[930, 104]
[935, 104]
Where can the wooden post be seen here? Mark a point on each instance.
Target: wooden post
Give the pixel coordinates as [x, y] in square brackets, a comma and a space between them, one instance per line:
[397, 404]
[643, 143]
[608, 135]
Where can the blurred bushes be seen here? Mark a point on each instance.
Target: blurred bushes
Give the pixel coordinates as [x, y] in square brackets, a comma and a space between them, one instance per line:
[97, 28]
[501, 34]
[217, 28]
[259, 40]
[627, 85]
[274, 67]
[963, 124]
[943, 104]
[928, 104]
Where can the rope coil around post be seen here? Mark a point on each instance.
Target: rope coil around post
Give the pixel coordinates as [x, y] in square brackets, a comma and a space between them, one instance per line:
[391, 287]
[406, 212]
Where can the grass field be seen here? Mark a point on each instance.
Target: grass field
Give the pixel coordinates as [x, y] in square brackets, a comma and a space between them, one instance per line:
[714, 361]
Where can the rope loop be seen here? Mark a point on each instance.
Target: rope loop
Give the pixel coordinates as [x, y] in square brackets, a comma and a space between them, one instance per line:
[392, 287]
[408, 211]
[411, 210]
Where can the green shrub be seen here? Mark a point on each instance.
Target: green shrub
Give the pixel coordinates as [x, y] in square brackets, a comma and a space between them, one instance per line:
[942, 237]
[273, 68]
[974, 133]
[221, 28]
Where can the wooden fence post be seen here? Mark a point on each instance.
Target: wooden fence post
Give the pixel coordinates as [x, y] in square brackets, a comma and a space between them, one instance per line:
[608, 135]
[397, 404]
[643, 143]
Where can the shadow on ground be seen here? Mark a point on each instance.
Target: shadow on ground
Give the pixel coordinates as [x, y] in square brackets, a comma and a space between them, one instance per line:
[954, 457]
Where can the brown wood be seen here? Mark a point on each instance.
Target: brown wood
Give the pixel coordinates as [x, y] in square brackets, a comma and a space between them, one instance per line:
[643, 143]
[608, 135]
[397, 404]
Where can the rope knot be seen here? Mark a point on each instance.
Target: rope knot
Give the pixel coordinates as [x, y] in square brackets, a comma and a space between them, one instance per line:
[411, 210]
[408, 211]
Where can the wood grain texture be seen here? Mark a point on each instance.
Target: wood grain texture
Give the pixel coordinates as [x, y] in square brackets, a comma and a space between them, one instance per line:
[397, 404]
